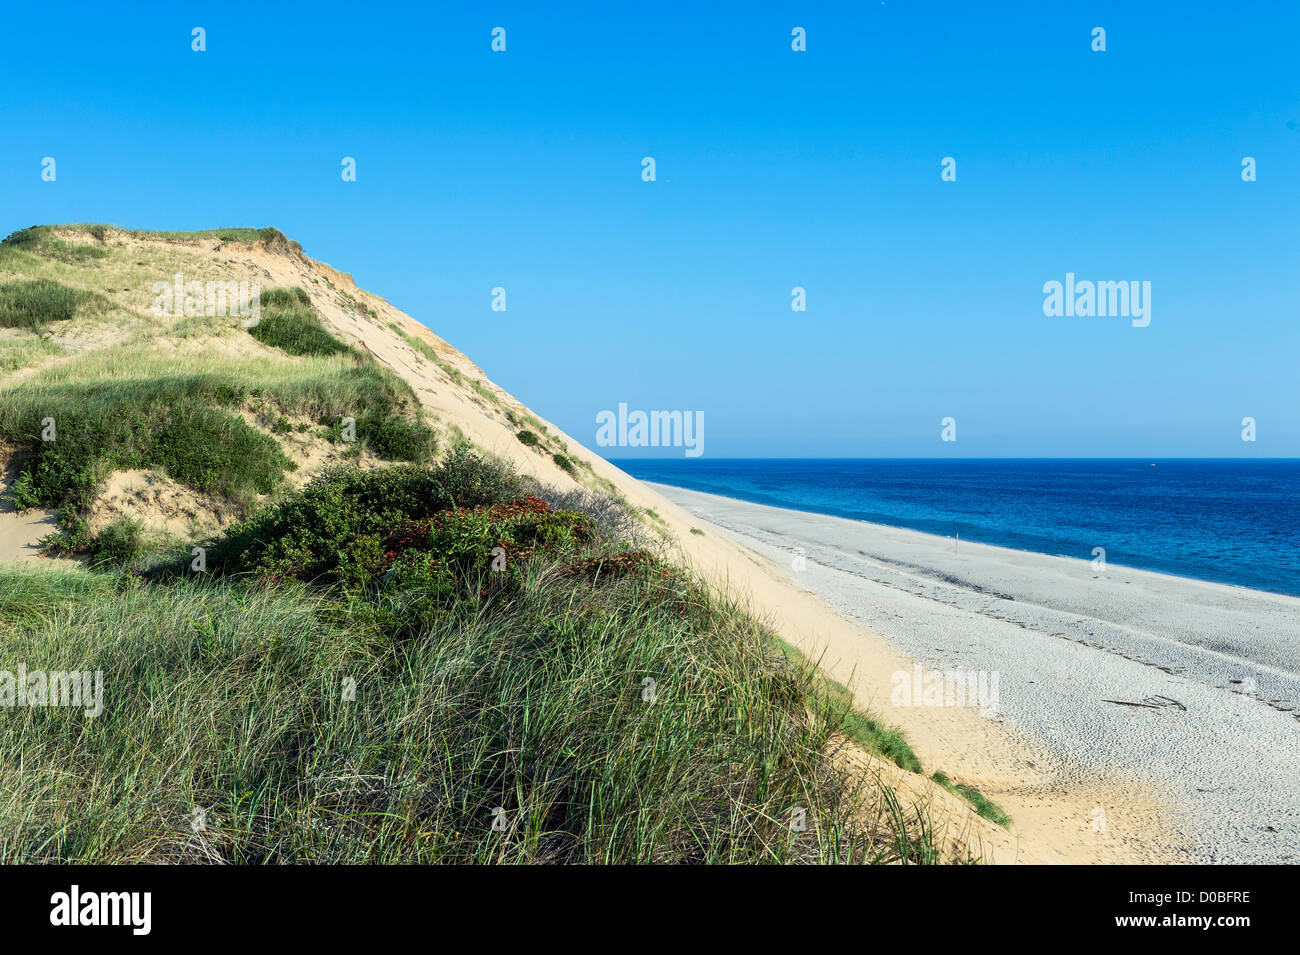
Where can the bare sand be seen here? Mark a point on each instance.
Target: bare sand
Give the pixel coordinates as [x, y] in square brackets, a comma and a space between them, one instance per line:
[20, 533]
[1140, 688]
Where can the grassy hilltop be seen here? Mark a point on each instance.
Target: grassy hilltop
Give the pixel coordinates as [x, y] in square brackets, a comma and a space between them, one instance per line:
[338, 621]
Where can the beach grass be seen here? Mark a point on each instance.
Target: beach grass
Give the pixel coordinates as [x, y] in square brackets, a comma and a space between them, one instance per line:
[588, 704]
[288, 322]
[866, 730]
[33, 304]
[982, 805]
[457, 378]
[25, 351]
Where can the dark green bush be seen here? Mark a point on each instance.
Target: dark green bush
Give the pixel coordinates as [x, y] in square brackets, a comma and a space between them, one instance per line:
[528, 438]
[336, 521]
[395, 439]
[100, 430]
[119, 543]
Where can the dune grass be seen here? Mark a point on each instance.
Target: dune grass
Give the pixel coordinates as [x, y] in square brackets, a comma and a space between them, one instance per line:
[288, 322]
[175, 423]
[41, 236]
[26, 351]
[241, 235]
[982, 805]
[33, 304]
[40, 242]
[868, 732]
[427, 350]
[593, 705]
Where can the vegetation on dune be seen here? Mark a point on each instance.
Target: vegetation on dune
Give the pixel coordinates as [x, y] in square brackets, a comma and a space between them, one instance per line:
[427, 350]
[348, 524]
[872, 735]
[119, 543]
[26, 245]
[33, 304]
[979, 802]
[326, 700]
[273, 238]
[42, 239]
[23, 352]
[155, 423]
[137, 408]
[288, 322]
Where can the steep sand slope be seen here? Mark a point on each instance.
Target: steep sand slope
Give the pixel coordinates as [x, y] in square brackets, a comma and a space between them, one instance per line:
[1051, 823]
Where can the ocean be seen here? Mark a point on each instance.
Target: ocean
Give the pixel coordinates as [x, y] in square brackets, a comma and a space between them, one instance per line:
[1230, 521]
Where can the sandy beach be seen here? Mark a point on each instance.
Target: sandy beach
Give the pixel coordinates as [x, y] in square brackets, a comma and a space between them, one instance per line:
[1190, 690]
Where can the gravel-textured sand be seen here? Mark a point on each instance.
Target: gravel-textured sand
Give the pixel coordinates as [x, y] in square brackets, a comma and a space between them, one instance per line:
[1214, 670]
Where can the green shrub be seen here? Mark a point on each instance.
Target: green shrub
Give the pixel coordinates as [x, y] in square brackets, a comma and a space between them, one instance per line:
[528, 438]
[103, 429]
[564, 463]
[395, 439]
[117, 544]
[23, 494]
[305, 534]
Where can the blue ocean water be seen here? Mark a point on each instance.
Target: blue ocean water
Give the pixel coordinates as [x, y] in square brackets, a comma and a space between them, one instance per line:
[1231, 521]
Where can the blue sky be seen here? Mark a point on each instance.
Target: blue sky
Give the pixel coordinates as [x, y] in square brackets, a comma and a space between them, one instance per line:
[775, 169]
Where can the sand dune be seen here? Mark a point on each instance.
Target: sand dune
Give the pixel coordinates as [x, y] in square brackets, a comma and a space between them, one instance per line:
[1050, 805]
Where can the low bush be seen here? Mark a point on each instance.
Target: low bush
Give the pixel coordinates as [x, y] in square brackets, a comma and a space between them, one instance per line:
[98, 430]
[340, 524]
[118, 544]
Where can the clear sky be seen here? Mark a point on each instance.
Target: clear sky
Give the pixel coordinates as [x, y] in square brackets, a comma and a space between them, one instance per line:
[775, 169]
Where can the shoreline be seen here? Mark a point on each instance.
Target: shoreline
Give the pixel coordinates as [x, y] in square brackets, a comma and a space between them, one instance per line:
[973, 540]
[1126, 671]
[1111, 566]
